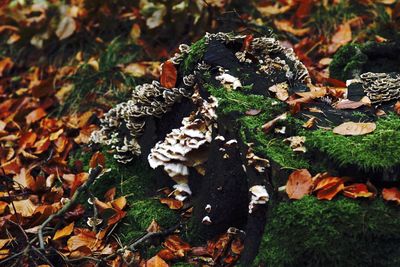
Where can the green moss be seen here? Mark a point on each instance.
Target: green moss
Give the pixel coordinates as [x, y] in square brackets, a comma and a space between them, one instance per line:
[182, 264]
[375, 151]
[197, 51]
[269, 145]
[342, 232]
[347, 62]
[133, 180]
[142, 212]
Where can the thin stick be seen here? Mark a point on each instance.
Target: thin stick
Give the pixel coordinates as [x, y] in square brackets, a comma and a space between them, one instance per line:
[93, 174]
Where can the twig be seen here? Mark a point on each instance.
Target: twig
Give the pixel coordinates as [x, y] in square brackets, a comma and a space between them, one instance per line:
[94, 173]
[154, 235]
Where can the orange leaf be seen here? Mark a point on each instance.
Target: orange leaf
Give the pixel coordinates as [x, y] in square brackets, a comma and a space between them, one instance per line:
[61, 143]
[329, 187]
[119, 203]
[397, 107]
[299, 184]
[66, 231]
[327, 182]
[391, 194]
[11, 167]
[97, 159]
[176, 245]
[42, 145]
[156, 261]
[172, 203]
[3, 207]
[35, 115]
[83, 240]
[357, 190]
[169, 75]
[5, 65]
[167, 254]
[27, 140]
[24, 207]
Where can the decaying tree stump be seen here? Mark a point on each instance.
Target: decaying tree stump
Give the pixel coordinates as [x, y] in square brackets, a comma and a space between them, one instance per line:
[207, 130]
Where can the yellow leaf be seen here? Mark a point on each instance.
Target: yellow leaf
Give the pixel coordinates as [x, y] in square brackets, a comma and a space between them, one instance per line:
[66, 231]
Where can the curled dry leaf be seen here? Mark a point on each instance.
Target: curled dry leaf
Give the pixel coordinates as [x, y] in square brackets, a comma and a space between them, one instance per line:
[35, 115]
[169, 75]
[357, 190]
[391, 194]
[348, 104]
[299, 184]
[355, 128]
[329, 187]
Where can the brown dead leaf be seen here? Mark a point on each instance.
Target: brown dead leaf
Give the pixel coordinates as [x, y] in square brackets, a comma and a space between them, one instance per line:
[287, 26]
[348, 104]
[357, 190]
[329, 187]
[355, 128]
[299, 184]
[35, 115]
[391, 194]
[172, 203]
[169, 75]
[156, 261]
[5, 65]
[24, 207]
[66, 27]
[98, 159]
[269, 125]
[64, 232]
[397, 107]
[341, 37]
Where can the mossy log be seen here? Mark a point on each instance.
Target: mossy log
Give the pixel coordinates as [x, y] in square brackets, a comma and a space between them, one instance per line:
[207, 134]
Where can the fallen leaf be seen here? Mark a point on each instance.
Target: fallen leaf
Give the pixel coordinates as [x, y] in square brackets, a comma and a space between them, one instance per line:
[269, 125]
[66, 231]
[172, 203]
[253, 112]
[169, 75]
[329, 187]
[24, 207]
[391, 194]
[98, 159]
[156, 261]
[348, 104]
[355, 128]
[299, 184]
[397, 107]
[341, 37]
[357, 190]
[5, 65]
[286, 26]
[35, 115]
[66, 27]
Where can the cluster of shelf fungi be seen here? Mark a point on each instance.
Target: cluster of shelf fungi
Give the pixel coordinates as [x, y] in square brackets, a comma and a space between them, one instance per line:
[179, 132]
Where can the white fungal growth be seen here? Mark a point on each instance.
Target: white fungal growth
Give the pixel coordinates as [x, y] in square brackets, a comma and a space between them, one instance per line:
[208, 208]
[259, 196]
[228, 80]
[206, 220]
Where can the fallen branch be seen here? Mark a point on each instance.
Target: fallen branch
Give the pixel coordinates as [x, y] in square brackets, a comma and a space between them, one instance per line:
[93, 174]
[152, 235]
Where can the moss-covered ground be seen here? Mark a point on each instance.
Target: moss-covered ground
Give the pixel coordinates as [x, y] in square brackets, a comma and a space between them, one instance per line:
[342, 232]
[136, 182]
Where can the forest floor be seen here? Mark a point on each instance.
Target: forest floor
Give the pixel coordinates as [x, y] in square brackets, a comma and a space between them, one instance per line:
[63, 64]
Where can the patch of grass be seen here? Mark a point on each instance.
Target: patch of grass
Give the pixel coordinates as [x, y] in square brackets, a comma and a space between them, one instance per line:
[342, 232]
[108, 83]
[375, 151]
